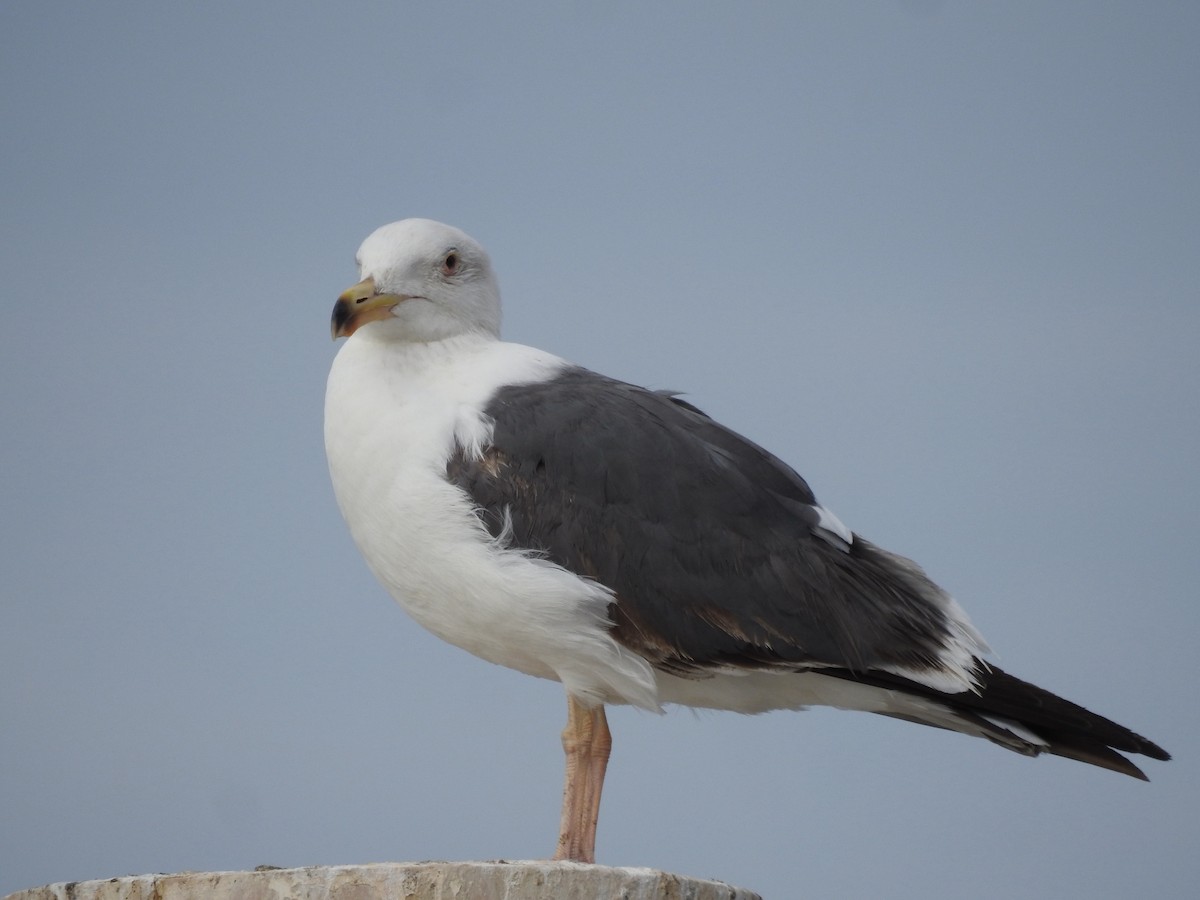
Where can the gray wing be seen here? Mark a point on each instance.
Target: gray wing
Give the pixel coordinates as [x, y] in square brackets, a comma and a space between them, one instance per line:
[715, 549]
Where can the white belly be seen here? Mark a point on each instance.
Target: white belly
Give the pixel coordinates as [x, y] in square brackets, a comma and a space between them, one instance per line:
[393, 414]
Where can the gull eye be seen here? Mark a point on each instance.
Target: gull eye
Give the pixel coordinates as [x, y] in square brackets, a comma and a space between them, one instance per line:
[451, 263]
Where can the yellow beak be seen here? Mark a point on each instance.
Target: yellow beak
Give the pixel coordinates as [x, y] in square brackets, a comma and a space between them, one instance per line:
[358, 306]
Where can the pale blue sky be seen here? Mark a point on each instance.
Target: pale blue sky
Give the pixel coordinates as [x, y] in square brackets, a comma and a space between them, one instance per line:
[941, 257]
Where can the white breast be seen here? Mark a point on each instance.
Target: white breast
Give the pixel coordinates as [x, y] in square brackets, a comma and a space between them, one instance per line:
[393, 415]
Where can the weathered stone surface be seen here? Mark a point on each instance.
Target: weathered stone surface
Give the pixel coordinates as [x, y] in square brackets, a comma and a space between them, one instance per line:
[500, 880]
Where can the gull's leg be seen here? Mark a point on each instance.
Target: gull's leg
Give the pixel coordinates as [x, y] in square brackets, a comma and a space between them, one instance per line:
[586, 744]
[597, 764]
[570, 840]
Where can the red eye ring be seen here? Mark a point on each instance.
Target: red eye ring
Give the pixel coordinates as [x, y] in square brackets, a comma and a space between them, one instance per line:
[450, 263]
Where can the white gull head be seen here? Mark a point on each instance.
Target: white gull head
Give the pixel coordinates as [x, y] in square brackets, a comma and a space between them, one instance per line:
[421, 281]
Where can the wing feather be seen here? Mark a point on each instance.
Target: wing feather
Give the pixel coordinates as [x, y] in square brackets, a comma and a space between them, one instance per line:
[712, 546]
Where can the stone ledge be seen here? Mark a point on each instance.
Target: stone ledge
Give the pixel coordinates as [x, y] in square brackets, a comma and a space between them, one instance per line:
[498, 880]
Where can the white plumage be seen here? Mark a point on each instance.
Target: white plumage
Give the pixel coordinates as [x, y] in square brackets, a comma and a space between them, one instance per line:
[393, 414]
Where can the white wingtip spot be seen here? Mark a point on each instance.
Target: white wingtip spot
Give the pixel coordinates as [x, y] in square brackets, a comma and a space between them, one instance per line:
[1018, 729]
[830, 529]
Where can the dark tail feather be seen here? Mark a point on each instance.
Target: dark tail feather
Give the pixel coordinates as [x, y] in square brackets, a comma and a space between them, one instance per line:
[1068, 729]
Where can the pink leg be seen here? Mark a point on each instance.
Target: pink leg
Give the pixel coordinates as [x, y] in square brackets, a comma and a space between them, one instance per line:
[587, 743]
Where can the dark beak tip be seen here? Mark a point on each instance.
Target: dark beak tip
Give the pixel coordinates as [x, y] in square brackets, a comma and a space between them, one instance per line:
[341, 315]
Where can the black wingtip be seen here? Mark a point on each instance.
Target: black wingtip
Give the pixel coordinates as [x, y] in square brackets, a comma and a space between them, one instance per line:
[1100, 756]
[1063, 728]
[1152, 750]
